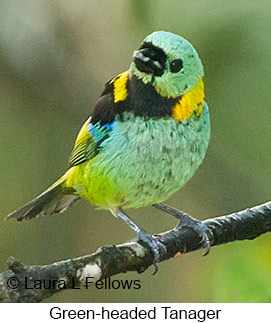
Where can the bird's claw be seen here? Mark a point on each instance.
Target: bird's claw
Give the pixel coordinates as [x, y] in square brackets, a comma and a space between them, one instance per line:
[205, 240]
[203, 231]
[157, 247]
[185, 220]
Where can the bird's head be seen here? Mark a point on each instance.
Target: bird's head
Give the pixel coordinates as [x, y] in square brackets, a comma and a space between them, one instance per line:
[169, 62]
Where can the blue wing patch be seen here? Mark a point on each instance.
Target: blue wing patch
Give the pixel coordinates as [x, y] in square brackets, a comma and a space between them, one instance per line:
[98, 132]
[88, 141]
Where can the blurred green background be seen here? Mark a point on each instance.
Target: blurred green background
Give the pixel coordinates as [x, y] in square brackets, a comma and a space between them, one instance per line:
[55, 57]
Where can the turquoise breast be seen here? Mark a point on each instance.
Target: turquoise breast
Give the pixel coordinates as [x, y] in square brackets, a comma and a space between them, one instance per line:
[146, 161]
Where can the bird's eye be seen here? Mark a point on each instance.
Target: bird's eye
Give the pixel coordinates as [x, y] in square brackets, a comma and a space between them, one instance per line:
[176, 65]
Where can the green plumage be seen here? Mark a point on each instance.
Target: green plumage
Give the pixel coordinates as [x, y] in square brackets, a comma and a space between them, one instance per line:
[133, 152]
[143, 162]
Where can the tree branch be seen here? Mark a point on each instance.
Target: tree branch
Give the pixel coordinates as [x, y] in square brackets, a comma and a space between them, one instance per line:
[22, 283]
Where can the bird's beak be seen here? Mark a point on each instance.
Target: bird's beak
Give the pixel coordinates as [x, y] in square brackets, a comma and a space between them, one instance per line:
[150, 60]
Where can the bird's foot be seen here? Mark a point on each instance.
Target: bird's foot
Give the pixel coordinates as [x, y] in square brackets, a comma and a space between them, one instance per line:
[157, 247]
[203, 231]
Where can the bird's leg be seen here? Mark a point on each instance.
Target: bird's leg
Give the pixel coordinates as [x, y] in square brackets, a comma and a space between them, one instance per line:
[204, 232]
[152, 241]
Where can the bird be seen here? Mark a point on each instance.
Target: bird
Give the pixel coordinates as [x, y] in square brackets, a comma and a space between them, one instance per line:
[148, 134]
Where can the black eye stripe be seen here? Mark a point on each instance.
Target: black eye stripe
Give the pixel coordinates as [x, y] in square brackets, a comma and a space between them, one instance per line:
[154, 51]
[150, 59]
[176, 65]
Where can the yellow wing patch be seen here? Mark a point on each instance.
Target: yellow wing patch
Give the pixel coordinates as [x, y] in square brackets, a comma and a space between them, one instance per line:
[79, 151]
[190, 103]
[120, 90]
[83, 133]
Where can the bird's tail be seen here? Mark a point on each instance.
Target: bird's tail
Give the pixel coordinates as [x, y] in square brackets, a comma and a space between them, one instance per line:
[53, 200]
